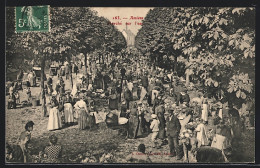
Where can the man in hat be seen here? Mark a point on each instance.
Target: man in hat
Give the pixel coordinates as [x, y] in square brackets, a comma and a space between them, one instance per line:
[173, 127]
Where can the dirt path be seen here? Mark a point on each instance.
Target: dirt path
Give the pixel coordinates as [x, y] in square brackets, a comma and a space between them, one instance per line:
[101, 140]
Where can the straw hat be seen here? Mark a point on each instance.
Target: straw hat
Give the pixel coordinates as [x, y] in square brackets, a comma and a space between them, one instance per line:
[54, 93]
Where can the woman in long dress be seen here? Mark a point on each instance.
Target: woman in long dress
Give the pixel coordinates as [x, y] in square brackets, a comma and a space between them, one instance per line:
[82, 110]
[140, 129]
[204, 113]
[133, 122]
[68, 110]
[54, 116]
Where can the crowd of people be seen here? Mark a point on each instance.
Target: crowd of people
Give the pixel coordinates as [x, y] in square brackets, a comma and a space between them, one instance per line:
[152, 100]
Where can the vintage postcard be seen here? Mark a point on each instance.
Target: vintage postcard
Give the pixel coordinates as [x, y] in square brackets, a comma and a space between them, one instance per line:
[95, 85]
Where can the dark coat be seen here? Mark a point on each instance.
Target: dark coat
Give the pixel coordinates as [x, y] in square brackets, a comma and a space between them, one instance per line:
[173, 126]
[186, 98]
[144, 81]
[128, 95]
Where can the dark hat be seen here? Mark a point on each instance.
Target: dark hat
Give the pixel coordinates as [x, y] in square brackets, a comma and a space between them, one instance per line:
[171, 110]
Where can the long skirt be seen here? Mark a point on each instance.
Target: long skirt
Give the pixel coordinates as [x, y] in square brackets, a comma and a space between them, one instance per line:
[54, 119]
[204, 113]
[82, 119]
[140, 128]
[161, 134]
[68, 113]
[90, 120]
[133, 125]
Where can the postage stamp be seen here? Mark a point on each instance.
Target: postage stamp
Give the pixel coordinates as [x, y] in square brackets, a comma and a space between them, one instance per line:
[32, 18]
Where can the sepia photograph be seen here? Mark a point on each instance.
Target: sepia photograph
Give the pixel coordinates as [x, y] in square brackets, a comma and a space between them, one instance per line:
[99, 85]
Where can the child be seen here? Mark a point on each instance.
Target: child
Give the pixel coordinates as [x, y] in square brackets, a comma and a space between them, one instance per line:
[155, 128]
[24, 139]
[53, 151]
[10, 102]
[139, 156]
[17, 97]
[202, 134]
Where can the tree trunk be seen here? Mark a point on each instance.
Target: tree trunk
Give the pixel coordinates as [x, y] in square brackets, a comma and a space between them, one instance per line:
[43, 98]
[71, 79]
[86, 70]
[187, 79]
[175, 64]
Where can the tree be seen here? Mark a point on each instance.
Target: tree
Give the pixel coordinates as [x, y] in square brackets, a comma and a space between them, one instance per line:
[73, 31]
[217, 46]
[155, 37]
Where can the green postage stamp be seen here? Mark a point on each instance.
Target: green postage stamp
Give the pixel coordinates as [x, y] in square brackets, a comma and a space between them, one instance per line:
[32, 18]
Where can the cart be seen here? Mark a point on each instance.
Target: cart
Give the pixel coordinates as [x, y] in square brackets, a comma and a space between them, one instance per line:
[53, 71]
[37, 71]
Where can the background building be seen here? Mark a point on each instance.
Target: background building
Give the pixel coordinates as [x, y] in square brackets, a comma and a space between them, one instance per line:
[129, 36]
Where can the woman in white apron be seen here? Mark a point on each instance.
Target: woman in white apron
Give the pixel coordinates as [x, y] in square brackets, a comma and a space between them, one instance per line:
[204, 113]
[54, 122]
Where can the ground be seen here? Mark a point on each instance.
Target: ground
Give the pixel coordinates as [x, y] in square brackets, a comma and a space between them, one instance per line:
[76, 143]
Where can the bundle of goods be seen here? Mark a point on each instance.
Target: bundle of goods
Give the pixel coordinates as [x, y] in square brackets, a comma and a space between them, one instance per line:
[111, 119]
[191, 126]
[122, 120]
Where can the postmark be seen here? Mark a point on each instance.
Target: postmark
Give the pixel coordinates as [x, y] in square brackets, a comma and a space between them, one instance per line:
[32, 18]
